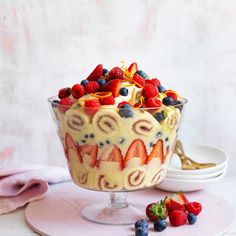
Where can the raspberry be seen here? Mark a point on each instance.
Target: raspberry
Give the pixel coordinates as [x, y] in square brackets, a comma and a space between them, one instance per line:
[138, 81]
[92, 87]
[77, 91]
[194, 207]
[65, 103]
[153, 102]
[91, 106]
[172, 94]
[107, 100]
[178, 218]
[123, 103]
[116, 73]
[64, 92]
[150, 91]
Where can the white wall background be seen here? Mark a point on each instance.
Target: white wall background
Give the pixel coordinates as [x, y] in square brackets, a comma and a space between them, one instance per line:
[48, 44]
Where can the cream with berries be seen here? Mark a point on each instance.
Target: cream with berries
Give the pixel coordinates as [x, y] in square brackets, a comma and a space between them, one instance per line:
[118, 128]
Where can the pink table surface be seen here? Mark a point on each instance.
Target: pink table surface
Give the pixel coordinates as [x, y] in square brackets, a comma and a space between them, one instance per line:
[59, 213]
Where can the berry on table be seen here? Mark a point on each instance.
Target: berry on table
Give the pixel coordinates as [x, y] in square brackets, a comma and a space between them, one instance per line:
[124, 91]
[84, 81]
[160, 225]
[178, 218]
[192, 219]
[149, 91]
[77, 91]
[167, 101]
[92, 87]
[116, 73]
[101, 82]
[161, 89]
[141, 231]
[141, 223]
[194, 207]
[142, 74]
[126, 111]
[155, 211]
[64, 92]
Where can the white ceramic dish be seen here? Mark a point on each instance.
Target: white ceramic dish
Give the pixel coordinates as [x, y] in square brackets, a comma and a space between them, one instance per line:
[199, 153]
[183, 185]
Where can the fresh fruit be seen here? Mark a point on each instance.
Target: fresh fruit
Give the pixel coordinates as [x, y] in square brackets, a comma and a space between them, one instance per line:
[194, 207]
[156, 81]
[172, 94]
[192, 219]
[141, 223]
[105, 71]
[90, 150]
[110, 100]
[138, 81]
[92, 87]
[178, 218]
[161, 89]
[155, 211]
[91, 106]
[116, 73]
[65, 103]
[142, 74]
[136, 149]
[153, 102]
[133, 68]
[160, 225]
[123, 103]
[167, 101]
[179, 197]
[172, 205]
[70, 146]
[159, 116]
[64, 92]
[157, 151]
[83, 82]
[149, 91]
[141, 231]
[77, 91]
[101, 82]
[124, 91]
[96, 74]
[126, 111]
[112, 86]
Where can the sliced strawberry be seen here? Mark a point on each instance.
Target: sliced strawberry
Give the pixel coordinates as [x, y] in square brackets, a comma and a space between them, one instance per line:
[70, 145]
[112, 86]
[112, 153]
[172, 205]
[179, 197]
[138, 81]
[136, 149]
[133, 68]
[157, 151]
[96, 74]
[92, 151]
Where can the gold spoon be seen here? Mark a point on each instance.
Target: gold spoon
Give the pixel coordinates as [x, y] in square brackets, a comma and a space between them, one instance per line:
[186, 162]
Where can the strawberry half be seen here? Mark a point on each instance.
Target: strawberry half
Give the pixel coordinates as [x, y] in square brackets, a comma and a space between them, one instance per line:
[133, 68]
[90, 150]
[155, 211]
[96, 74]
[112, 86]
[71, 146]
[136, 149]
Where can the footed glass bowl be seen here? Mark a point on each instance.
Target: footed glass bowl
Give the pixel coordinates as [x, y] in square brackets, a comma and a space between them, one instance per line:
[117, 150]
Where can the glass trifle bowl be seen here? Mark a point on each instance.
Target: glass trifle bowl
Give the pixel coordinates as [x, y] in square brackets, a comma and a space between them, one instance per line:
[119, 146]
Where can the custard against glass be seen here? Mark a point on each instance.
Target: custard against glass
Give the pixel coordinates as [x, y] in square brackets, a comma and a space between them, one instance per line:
[118, 129]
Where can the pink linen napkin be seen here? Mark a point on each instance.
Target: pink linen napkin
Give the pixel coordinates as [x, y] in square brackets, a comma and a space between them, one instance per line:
[23, 185]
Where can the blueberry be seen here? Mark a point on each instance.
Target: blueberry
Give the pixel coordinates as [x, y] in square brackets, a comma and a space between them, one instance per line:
[124, 91]
[141, 223]
[126, 111]
[142, 74]
[83, 82]
[126, 106]
[160, 225]
[101, 82]
[192, 219]
[141, 231]
[177, 104]
[105, 71]
[159, 116]
[167, 101]
[54, 103]
[161, 89]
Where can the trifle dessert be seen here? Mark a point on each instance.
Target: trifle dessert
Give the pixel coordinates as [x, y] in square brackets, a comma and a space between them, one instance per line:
[118, 128]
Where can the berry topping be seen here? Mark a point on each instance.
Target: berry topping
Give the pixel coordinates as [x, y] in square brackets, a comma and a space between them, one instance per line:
[149, 91]
[105, 71]
[160, 225]
[172, 94]
[141, 223]
[138, 81]
[159, 116]
[156, 81]
[141, 231]
[116, 73]
[142, 74]
[126, 111]
[161, 89]
[96, 74]
[123, 103]
[178, 218]
[194, 207]
[133, 68]
[101, 82]
[64, 92]
[124, 91]
[65, 103]
[83, 82]
[167, 101]
[91, 106]
[192, 219]
[155, 211]
[110, 100]
[153, 102]
[112, 86]
[77, 91]
[92, 87]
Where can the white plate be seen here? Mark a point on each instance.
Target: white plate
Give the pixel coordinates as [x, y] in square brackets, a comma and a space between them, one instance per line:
[196, 177]
[183, 185]
[200, 153]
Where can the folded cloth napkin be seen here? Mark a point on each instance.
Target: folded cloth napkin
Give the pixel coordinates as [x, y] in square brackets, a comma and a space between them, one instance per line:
[23, 185]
